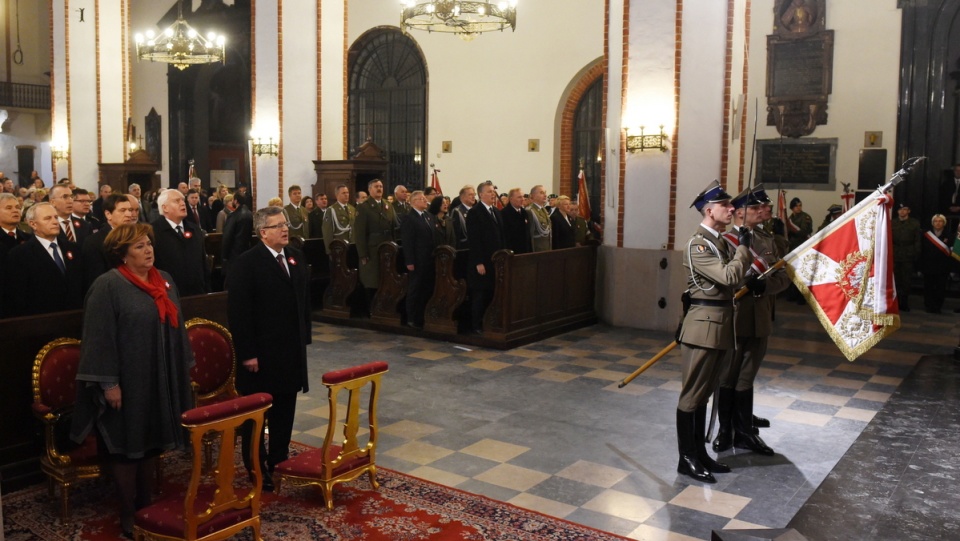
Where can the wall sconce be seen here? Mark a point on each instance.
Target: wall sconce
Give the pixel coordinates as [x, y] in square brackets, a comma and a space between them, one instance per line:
[59, 153]
[265, 149]
[644, 141]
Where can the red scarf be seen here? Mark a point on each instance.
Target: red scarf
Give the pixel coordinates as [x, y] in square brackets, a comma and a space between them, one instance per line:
[156, 287]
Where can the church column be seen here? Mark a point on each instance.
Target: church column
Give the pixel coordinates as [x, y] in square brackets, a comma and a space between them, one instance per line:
[265, 97]
[331, 72]
[90, 85]
[299, 93]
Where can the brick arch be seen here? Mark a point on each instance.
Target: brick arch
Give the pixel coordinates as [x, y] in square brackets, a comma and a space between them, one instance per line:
[567, 164]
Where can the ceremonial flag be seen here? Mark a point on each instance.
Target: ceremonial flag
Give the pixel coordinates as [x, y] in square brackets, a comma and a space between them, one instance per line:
[939, 245]
[435, 182]
[782, 212]
[583, 197]
[845, 272]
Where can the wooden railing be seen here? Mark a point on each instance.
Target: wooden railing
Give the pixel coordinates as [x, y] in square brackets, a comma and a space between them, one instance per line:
[24, 96]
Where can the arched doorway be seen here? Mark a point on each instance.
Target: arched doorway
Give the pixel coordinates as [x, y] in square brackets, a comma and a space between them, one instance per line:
[387, 100]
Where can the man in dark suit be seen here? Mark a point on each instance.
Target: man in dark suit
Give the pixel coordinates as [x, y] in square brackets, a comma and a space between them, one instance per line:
[484, 236]
[118, 210]
[81, 209]
[72, 229]
[416, 232]
[45, 274]
[11, 230]
[178, 247]
[268, 310]
[564, 235]
[197, 213]
[516, 227]
[97, 207]
[458, 216]
[237, 232]
[949, 203]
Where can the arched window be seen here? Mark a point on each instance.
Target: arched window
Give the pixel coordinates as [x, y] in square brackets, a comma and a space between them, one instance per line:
[387, 97]
[587, 144]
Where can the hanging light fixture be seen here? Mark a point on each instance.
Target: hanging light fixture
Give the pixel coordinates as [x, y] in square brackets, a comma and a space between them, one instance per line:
[180, 44]
[464, 19]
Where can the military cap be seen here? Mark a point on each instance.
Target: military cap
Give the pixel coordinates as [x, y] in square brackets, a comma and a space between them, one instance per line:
[761, 195]
[713, 193]
[834, 209]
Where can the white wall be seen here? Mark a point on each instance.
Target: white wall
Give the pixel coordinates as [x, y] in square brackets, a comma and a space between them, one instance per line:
[299, 94]
[266, 113]
[866, 62]
[490, 95]
[332, 68]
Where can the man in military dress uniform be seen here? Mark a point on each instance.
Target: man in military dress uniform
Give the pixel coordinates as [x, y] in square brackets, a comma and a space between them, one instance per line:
[375, 223]
[905, 233]
[338, 219]
[297, 214]
[541, 235]
[713, 272]
[753, 328]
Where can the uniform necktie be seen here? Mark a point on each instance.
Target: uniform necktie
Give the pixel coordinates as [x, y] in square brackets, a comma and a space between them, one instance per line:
[180, 231]
[68, 230]
[57, 259]
[282, 265]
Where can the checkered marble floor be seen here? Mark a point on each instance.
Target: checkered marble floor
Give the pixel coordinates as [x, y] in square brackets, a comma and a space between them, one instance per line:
[546, 428]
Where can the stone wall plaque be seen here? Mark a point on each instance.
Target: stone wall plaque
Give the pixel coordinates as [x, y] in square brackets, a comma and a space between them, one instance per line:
[804, 164]
[799, 67]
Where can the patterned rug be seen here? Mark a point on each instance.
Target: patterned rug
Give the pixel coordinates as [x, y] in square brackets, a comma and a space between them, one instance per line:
[405, 508]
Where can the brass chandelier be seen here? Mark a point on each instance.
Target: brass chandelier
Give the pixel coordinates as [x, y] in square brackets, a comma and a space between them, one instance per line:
[180, 44]
[462, 18]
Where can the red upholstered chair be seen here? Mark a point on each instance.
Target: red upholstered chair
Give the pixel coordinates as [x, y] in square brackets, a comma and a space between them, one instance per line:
[214, 374]
[54, 395]
[338, 463]
[212, 506]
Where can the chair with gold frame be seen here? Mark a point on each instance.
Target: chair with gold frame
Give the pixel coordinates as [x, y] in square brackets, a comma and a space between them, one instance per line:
[54, 396]
[212, 506]
[338, 463]
[213, 376]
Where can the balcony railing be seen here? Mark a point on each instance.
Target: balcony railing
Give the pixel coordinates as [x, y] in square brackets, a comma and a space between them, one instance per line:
[24, 96]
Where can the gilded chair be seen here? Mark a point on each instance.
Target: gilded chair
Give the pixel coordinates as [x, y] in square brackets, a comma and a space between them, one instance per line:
[54, 396]
[212, 506]
[213, 375]
[340, 462]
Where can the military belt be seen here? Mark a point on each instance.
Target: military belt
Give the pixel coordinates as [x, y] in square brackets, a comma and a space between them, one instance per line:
[707, 302]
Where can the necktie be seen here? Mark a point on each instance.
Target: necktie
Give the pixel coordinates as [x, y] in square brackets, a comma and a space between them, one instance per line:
[57, 259]
[492, 215]
[68, 230]
[425, 217]
[180, 231]
[282, 265]
[12, 234]
[196, 215]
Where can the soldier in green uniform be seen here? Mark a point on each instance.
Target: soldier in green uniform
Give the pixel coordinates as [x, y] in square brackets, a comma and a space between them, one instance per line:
[753, 328]
[297, 215]
[581, 229]
[906, 250]
[375, 223]
[400, 205]
[541, 236]
[713, 271]
[802, 224]
[338, 219]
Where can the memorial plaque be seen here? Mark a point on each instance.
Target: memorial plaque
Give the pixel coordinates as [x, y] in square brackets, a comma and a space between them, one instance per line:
[806, 164]
[798, 69]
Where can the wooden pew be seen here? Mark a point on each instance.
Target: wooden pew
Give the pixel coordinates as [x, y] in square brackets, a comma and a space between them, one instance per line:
[21, 439]
[541, 294]
[393, 286]
[344, 278]
[449, 292]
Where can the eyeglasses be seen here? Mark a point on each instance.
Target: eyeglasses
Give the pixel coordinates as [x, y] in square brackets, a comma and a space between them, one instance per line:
[282, 225]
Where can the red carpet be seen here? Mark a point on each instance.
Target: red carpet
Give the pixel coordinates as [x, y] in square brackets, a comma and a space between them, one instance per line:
[404, 509]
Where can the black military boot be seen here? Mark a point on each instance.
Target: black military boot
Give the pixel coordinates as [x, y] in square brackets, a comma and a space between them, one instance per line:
[745, 436]
[724, 439]
[700, 430]
[687, 441]
[758, 422]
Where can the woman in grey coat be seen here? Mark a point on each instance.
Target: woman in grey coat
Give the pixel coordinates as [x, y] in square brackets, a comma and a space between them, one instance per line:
[134, 373]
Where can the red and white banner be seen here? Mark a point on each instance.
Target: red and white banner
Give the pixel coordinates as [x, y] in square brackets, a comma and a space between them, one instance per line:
[435, 181]
[784, 213]
[939, 245]
[583, 197]
[845, 272]
[759, 265]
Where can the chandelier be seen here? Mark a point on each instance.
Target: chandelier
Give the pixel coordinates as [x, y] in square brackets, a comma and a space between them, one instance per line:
[465, 19]
[180, 44]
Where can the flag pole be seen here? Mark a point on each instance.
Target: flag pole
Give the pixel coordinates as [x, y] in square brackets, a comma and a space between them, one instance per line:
[896, 178]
